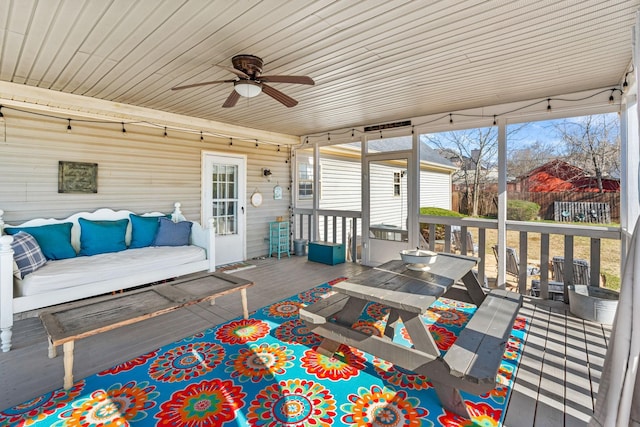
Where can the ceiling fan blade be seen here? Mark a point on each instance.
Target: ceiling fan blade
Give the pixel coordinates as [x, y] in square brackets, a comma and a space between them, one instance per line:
[201, 84]
[303, 80]
[235, 71]
[286, 100]
[231, 100]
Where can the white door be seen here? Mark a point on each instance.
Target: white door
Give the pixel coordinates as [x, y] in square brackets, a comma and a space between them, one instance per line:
[224, 189]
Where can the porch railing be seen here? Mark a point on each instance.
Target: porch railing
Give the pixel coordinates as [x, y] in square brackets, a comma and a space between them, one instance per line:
[333, 226]
[338, 227]
[525, 229]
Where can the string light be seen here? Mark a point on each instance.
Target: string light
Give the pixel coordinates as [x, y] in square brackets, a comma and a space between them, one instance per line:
[380, 133]
[256, 143]
[69, 126]
[611, 96]
[124, 131]
[201, 137]
[278, 147]
[494, 120]
[230, 141]
[548, 105]
[625, 85]
[451, 119]
[165, 132]
[1, 115]
[328, 137]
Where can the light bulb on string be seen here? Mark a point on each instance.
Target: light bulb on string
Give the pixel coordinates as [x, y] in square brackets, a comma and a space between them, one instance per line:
[69, 126]
[201, 137]
[1, 115]
[230, 141]
[548, 105]
[494, 120]
[165, 132]
[611, 99]
[451, 119]
[124, 131]
[625, 85]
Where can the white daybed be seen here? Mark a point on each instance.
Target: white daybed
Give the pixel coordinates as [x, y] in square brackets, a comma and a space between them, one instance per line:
[65, 280]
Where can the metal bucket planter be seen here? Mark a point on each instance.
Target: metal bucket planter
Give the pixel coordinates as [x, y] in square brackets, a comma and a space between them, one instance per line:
[593, 303]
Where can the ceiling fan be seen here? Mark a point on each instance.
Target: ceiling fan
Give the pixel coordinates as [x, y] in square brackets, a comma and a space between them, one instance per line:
[250, 81]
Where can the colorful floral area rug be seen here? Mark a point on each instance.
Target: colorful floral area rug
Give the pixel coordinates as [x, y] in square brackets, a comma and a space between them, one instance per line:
[264, 371]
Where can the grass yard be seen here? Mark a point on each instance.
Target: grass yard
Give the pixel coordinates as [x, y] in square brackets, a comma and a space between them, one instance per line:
[609, 258]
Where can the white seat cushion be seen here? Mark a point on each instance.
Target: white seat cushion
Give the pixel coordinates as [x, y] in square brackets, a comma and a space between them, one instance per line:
[67, 273]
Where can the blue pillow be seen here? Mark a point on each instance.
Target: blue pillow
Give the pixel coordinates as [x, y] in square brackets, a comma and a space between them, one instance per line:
[143, 230]
[26, 254]
[54, 239]
[173, 233]
[100, 237]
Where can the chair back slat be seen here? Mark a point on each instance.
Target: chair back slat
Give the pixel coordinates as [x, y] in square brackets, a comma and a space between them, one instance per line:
[581, 270]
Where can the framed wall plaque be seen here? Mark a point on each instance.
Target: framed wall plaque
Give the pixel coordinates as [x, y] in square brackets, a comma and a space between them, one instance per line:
[77, 177]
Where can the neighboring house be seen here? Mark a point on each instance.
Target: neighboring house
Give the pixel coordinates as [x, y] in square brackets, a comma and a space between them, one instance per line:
[340, 182]
[558, 175]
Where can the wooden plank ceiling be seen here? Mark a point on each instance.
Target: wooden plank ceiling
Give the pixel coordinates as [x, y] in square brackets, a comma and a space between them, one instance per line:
[373, 61]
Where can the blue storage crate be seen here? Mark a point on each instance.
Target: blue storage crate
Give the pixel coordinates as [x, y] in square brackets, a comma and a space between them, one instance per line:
[326, 252]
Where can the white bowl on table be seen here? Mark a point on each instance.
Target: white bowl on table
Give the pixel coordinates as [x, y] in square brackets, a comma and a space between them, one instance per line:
[418, 259]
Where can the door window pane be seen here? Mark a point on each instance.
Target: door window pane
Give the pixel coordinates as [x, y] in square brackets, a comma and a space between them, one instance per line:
[225, 198]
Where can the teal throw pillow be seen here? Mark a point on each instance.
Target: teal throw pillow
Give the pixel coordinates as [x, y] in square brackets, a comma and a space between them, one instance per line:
[143, 230]
[54, 239]
[100, 237]
[173, 233]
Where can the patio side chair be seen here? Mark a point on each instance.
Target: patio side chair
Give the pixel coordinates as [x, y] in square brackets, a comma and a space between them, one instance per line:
[581, 270]
[581, 274]
[456, 239]
[513, 264]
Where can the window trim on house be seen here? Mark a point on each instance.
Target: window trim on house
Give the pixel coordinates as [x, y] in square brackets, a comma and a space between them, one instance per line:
[397, 183]
[307, 181]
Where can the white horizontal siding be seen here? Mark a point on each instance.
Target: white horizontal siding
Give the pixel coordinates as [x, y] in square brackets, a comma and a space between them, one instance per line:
[435, 190]
[142, 171]
[341, 190]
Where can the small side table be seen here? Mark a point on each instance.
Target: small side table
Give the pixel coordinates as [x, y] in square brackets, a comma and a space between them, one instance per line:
[279, 238]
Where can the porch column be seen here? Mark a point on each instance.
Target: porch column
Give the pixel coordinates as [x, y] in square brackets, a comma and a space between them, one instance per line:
[413, 225]
[502, 203]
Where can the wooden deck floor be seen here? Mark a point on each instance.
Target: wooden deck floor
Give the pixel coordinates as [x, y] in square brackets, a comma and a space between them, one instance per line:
[555, 384]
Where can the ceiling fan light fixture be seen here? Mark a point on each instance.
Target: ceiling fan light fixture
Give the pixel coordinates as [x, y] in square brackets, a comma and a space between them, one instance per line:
[247, 88]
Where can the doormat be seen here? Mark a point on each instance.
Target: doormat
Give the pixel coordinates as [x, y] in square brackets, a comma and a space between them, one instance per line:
[265, 371]
[234, 267]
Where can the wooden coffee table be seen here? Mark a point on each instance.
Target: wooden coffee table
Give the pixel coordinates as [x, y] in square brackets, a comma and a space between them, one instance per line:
[69, 322]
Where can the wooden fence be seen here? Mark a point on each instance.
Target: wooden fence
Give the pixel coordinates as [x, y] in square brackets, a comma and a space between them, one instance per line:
[582, 212]
[489, 202]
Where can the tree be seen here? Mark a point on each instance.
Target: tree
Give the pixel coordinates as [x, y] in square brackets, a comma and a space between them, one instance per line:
[593, 144]
[522, 160]
[475, 151]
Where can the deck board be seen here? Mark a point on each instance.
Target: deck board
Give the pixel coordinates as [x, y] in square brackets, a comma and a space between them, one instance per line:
[550, 367]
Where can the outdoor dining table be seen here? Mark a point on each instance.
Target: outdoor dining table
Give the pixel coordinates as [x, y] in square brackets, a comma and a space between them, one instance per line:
[471, 364]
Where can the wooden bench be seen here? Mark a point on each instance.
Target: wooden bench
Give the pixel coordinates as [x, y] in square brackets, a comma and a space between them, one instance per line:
[476, 354]
[69, 322]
